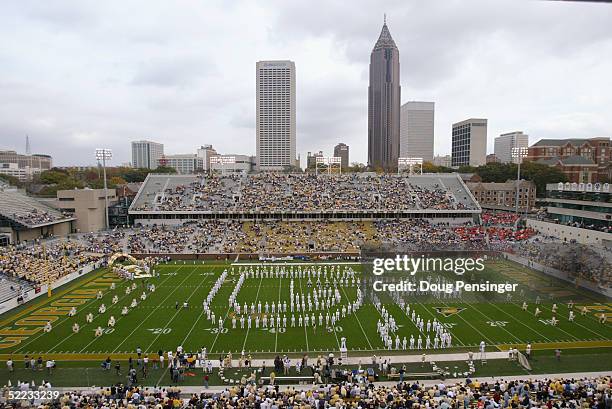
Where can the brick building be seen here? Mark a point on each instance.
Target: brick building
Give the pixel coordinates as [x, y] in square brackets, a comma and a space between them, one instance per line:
[582, 160]
[502, 196]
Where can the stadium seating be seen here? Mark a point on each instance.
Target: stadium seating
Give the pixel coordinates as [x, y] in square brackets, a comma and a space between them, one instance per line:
[11, 287]
[27, 211]
[41, 265]
[586, 392]
[270, 192]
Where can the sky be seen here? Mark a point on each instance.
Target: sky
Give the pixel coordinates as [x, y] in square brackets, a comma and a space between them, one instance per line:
[78, 75]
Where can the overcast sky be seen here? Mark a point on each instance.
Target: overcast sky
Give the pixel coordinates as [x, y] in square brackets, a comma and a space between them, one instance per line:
[76, 75]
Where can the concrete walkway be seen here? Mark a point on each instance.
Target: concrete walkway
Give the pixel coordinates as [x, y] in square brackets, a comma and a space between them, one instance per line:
[187, 391]
[367, 360]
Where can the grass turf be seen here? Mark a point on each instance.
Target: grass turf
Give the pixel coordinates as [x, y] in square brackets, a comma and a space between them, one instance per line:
[157, 324]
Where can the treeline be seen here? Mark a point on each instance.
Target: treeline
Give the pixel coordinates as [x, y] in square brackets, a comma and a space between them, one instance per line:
[47, 183]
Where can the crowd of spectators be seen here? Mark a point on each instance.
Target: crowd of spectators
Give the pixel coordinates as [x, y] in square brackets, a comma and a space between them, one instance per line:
[579, 261]
[210, 236]
[270, 192]
[36, 216]
[563, 392]
[499, 218]
[41, 264]
[311, 236]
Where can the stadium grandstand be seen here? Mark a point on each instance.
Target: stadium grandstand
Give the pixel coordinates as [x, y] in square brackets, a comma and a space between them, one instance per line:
[356, 392]
[170, 199]
[25, 218]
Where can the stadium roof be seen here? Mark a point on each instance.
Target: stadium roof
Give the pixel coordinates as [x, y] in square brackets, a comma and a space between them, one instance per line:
[16, 207]
[572, 141]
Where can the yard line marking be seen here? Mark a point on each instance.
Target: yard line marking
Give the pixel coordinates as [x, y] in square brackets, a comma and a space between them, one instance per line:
[177, 313]
[256, 299]
[97, 317]
[182, 343]
[152, 312]
[305, 332]
[520, 321]
[358, 321]
[473, 327]
[490, 319]
[85, 306]
[219, 333]
[454, 335]
[577, 323]
[335, 333]
[279, 297]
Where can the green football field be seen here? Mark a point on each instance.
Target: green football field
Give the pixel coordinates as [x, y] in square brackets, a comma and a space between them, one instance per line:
[157, 324]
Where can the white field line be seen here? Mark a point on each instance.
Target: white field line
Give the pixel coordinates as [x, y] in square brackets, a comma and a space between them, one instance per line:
[256, 299]
[155, 309]
[305, 332]
[178, 312]
[358, 321]
[84, 306]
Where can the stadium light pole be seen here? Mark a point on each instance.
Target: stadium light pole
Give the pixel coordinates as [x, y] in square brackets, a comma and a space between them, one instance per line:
[103, 154]
[518, 154]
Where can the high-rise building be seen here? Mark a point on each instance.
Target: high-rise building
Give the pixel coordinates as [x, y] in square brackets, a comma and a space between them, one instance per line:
[469, 144]
[25, 166]
[275, 115]
[505, 142]
[417, 130]
[445, 161]
[384, 103]
[145, 154]
[184, 164]
[311, 159]
[206, 152]
[342, 151]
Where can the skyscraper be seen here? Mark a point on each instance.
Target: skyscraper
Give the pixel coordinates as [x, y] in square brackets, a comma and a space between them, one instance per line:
[469, 143]
[145, 154]
[417, 130]
[275, 115]
[505, 142]
[384, 103]
[342, 151]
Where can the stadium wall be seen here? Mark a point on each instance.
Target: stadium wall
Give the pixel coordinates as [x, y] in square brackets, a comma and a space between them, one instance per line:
[250, 256]
[177, 218]
[569, 233]
[61, 229]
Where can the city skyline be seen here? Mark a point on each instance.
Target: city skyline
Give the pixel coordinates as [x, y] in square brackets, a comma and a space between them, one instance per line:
[69, 80]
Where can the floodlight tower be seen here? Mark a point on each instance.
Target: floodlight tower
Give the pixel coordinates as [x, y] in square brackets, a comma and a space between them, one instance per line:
[519, 153]
[103, 154]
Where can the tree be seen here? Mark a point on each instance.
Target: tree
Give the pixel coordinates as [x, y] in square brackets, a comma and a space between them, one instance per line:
[541, 175]
[11, 180]
[466, 169]
[53, 176]
[497, 172]
[117, 180]
[164, 169]
[357, 167]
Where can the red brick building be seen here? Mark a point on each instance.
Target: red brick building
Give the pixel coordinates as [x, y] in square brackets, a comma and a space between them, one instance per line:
[582, 160]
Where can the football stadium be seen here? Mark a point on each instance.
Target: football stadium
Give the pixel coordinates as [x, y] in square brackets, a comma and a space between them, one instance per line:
[245, 204]
[202, 289]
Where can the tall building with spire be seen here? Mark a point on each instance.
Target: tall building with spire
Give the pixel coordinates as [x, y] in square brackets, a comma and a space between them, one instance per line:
[384, 103]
